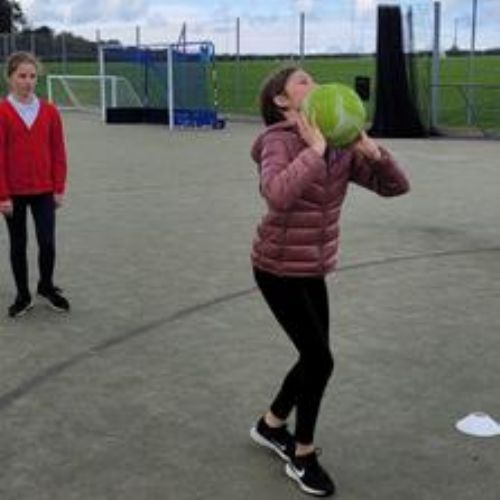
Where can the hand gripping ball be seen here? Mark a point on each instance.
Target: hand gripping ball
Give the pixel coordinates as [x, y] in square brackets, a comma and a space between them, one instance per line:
[337, 111]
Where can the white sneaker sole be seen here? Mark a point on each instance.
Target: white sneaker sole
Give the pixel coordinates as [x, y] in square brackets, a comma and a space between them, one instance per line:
[262, 441]
[24, 311]
[292, 474]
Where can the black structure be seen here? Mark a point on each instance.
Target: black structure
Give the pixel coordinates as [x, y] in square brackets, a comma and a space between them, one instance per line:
[182, 117]
[396, 112]
[137, 115]
[362, 87]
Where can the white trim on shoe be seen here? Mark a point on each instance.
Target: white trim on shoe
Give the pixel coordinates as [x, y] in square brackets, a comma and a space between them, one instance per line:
[20, 314]
[260, 439]
[46, 301]
[297, 476]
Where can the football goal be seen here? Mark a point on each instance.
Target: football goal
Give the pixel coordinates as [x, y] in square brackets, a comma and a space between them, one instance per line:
[174, 84]
[91, 93]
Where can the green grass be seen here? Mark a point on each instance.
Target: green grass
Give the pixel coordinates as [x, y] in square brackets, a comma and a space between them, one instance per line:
[238, 84]
[484, 100]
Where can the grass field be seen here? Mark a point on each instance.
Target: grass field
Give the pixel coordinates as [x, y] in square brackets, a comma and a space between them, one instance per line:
[238, 87]
[238, 84]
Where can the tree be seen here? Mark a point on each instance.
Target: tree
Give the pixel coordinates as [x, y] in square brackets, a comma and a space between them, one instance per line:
[11, 16]
[44, 31]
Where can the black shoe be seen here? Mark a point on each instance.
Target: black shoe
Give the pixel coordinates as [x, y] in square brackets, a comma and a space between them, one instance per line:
[55, 299]
[21, 306]
[277, 439]
[310, 476]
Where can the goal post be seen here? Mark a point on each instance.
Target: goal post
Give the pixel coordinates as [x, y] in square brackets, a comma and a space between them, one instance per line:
[91, 93]
[174, 83]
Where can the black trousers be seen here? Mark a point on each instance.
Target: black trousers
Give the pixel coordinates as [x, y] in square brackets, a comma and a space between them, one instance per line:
[43, 210]
[301, 307]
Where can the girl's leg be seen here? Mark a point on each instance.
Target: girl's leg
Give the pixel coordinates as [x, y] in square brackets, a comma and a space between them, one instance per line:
[301, 307]
[18, 237]
[316, 360]
[43, 210]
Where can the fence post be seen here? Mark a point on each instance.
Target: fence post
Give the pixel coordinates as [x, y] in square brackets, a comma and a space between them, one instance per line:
[137, 36]
[102, 82]
[64, 55]
[435, 66]
[238, 66]
[5, 37]
[302, 37]
[470, 91]
[32, 42]
[171, 103]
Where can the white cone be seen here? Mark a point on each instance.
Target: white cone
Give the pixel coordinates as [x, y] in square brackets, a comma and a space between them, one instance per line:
[478, 424]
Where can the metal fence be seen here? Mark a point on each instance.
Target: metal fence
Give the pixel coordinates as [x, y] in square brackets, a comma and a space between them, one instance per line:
[342, 55]
[465, 108]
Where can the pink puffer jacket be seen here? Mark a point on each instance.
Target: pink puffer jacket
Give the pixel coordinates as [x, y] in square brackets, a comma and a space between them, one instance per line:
[304, 193]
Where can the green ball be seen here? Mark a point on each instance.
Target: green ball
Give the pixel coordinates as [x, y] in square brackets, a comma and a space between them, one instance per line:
[337, 111]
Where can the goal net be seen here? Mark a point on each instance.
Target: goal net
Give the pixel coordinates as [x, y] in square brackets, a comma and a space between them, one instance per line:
[91, 93]
[175, 83]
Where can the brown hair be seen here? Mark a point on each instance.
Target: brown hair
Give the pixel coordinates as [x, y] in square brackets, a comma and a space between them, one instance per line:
[273, 86]
[18, 58]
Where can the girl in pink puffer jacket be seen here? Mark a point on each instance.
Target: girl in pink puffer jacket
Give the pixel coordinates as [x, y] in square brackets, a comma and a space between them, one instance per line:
[304, 183]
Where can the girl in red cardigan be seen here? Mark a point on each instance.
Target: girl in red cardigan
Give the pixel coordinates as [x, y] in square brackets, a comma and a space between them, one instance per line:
[32, 174]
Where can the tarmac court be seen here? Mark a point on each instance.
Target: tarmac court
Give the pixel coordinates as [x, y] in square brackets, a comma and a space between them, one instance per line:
[147, 389]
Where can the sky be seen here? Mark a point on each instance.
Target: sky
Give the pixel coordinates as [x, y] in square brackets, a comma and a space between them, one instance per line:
[266, 26]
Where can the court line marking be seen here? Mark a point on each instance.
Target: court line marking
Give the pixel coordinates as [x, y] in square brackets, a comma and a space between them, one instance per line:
[10, 397]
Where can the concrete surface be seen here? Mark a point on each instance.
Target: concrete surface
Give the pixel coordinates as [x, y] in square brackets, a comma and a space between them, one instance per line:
[146, 391]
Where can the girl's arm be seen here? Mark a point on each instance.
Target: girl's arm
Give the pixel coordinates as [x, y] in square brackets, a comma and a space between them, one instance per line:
[58, 152]
[374, 168]
[283, 179]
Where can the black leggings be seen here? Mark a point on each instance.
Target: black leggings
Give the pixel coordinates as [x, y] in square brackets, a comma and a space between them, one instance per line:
[301, 307]
[43, 210]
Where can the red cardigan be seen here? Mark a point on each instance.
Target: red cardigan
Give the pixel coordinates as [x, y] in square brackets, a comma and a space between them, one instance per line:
[32, 160]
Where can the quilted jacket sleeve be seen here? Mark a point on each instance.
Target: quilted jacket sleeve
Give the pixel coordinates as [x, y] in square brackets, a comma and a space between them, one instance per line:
[282, 178]
[384, 177]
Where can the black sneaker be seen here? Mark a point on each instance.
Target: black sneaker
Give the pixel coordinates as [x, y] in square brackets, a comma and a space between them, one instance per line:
[54, 298]
[20, 306]
[310, 476]
[277, 439]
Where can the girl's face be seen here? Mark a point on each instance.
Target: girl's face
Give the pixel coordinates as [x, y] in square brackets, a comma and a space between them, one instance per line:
[298, 85]
[23, 80]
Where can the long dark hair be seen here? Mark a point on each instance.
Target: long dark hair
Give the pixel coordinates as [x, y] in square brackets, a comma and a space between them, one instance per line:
[273, 86]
